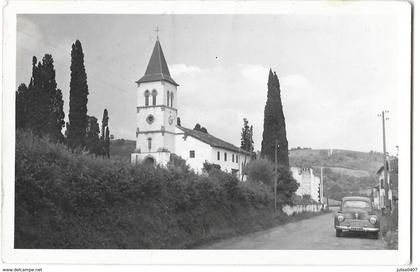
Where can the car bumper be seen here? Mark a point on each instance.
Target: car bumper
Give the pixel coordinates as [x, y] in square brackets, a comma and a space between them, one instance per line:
[358, 229]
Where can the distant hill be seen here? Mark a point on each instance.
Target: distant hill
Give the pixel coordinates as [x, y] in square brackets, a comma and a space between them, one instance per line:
[336, 158]
[122, 148]
[346, 172]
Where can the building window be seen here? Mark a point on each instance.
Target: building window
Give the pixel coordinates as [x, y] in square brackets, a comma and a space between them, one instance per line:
[154, 94]
[172, 100]
[150, 118]
[218, 155]
[149, 143]
[146, 97]
[225, 156]
[236, 158]
[233, 158]
[192, 154]
[167, 98]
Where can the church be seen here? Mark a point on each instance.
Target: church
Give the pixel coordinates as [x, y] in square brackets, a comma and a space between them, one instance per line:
[159, 133]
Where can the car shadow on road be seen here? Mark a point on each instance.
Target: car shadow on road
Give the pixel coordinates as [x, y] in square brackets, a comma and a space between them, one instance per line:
[355, 235]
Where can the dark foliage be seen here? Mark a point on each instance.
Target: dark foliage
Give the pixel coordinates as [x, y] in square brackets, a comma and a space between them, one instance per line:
[69, 200]
[274, 124]
[93, 143]
[78, 119]
[247, 143]
[209, 167]
[107, 142]
[105, 139]
[262, 171]
[200, 128]
[337, 185]
[39, 107]
[22, 105]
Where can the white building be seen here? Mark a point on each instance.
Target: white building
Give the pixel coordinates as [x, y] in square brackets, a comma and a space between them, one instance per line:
[309, 183]
[158, 134]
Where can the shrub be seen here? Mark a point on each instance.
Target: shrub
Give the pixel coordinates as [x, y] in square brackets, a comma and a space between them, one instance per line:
[65, 199]
[260, 170]
[178, 165]
[209, 167]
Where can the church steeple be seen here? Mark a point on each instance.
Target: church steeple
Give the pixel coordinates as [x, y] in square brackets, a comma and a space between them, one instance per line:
[157, 69]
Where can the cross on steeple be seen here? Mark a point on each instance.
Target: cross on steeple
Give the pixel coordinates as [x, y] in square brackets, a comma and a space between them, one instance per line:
[157, 32]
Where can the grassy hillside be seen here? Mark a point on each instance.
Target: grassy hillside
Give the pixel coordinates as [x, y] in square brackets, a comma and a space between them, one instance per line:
[353, 160]
[70, 200]
[346, 172]
[122, 148]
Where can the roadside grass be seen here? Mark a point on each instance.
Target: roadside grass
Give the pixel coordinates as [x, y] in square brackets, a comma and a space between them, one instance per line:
[389, 229]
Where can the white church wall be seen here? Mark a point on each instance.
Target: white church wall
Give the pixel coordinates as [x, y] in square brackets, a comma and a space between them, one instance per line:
[202, 151]
[227, 165]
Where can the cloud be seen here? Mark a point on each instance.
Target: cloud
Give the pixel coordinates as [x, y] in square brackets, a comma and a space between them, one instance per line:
[294, 81]
[181, 69]
[28, 34]
[255, 73]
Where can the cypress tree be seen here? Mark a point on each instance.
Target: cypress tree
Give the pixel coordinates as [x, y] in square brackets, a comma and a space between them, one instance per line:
[22, 97]
[105, 119]
[107, 142]
[39, 106]
[38, 110]
[274, 124]
[78, 118]
[93, 143]
[104, 149]
[54, 99]
[283, 149]
[246, 137]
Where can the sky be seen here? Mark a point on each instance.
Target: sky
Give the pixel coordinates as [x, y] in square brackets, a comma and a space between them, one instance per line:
[336, 72]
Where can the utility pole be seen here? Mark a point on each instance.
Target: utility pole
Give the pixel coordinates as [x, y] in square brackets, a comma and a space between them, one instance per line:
[321, 185]
[275, 176]
[386, 185]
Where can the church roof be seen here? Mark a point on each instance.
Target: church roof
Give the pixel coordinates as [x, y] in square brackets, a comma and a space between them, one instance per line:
[157, 69]
[211, 140]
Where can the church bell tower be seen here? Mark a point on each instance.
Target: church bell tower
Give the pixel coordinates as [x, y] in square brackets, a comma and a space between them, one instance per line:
[156, 112]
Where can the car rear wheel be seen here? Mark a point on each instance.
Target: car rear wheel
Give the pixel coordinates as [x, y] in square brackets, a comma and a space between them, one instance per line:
[338, 233]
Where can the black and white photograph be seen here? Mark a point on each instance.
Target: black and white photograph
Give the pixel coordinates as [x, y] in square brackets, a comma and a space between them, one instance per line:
[190, 130]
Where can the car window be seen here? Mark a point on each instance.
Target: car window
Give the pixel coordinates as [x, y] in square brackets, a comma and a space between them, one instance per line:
[356, 204]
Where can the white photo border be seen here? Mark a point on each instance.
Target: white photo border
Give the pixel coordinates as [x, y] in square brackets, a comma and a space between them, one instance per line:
[289, 257]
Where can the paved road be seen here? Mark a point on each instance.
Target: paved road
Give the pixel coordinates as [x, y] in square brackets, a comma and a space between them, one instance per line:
[315, 233]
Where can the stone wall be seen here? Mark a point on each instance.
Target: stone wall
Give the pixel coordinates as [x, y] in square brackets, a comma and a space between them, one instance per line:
[296, 209]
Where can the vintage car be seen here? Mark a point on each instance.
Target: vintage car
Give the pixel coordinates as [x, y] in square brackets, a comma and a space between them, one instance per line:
[356, 215]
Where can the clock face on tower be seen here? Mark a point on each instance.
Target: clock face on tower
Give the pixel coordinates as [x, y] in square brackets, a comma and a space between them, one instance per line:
[170, 119]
